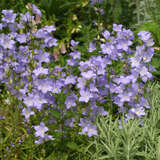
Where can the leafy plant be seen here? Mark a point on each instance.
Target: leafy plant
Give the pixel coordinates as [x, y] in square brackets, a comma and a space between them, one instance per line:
[15, 5]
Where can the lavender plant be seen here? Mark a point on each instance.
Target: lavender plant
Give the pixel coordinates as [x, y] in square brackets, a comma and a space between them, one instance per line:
[56, 98]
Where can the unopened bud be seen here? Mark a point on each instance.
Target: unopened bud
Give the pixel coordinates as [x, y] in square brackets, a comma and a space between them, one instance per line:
[63, 49]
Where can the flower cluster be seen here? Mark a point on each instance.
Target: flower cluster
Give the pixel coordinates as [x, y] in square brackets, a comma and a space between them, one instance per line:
[22, 57]
[80, 90]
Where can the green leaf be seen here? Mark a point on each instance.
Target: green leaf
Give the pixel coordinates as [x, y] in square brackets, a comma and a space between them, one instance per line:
[55, 113]
[73, 146]
[156, 63]
[58, 155]
[69, 114]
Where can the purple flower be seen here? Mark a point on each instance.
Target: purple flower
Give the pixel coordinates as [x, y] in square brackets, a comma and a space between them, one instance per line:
[148, 55]
[97, 109]
[40, 70]
[21, 38]
[139, 111]
[9, 16]
[6, 42]
[107, 48]
[39, 141]
[124, 44]
[95, 1]
[44, 85]
[74, 43]
[81, 83]
[117, 28]
[75, 55]
[151, 68]
[145, 75]
[70, 101]
[119, 103]
[88, 75]
[42, 56]
[101, 111]
[93, 88]
[39, 100]
[128, 34]
[1, 26]
[40, 130]
[29, 100]
[26, 17]
[135, 61]
[150, 43]
[84, 65]
[101, 11]
[49, 28]
[50, 98]
[18, 67]
[72, 62]
[41, 33]
[144, 36]
[143, 102]
[83, 122]
[46, 138]
[50, 41]
[92, 47]
[101, 70]
[140, 51]
[101, 81]
[36, 10]
[27, 113]
[56, 87]
[85, 96]
[134, 88]
[125, 96]
[115, 89]
[12, 35]
[91, 130]
[106, 34]
[123, 80]
[23, 92]
[88, 128]
[70, 80]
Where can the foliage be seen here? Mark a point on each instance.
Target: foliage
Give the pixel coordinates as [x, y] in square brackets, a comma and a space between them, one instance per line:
[73, 15]
[152, 8]
[17, 6]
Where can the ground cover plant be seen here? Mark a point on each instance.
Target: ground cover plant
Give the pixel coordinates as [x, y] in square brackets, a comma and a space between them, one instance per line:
[54, 99]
